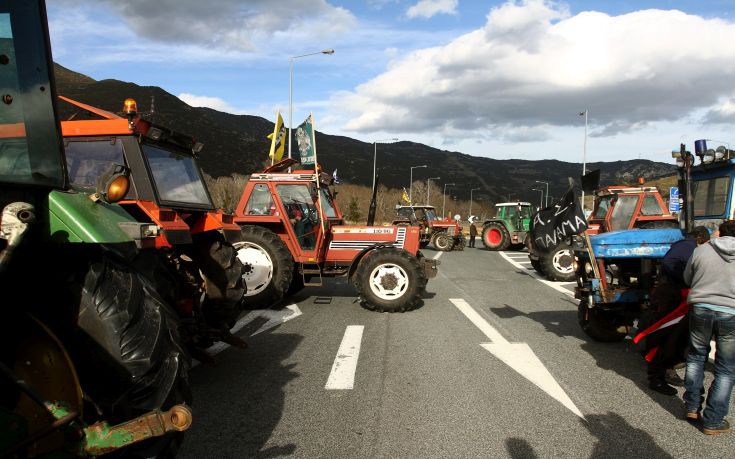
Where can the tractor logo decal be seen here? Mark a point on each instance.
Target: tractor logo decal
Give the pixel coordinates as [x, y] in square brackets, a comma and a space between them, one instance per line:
[359, 245]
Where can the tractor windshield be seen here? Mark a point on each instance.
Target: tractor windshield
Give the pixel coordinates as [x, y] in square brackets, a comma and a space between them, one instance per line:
[88, 159]
[623, 212]
[431, 215]
[176, 177]
[603, 206]
[710, 196]
[30, 148]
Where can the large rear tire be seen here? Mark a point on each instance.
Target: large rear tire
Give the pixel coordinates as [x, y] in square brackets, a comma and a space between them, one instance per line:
[459, 243]
[596, 325]
[268, 267]
[495, 236]
[389, 280]
[558, 264]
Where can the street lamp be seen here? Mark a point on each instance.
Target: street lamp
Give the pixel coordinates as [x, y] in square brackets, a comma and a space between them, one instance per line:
[541, 199]
[444, 197]
[546, 201]
[290, 91]
[428, 187]
[584, 151]
[375, 156]
[471, 191]
[410, 186]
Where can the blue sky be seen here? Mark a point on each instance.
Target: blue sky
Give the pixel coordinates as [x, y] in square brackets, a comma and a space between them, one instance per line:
[498, 79]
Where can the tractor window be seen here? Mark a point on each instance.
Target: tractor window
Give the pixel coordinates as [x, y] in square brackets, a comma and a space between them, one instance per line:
[526, 212]
[650, 206]
[623, 212]
[327, 204]
[431, 215]
[260, 202]
[710, 196]
[602, 207]
[176, 177]
[30, 147]
[88, 160]
[298, 201]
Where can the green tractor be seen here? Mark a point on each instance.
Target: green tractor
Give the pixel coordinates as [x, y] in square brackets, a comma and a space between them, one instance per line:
[91, 360]
[509, 228]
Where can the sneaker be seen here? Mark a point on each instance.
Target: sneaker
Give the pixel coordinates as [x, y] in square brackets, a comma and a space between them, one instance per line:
[672, 377]
[662, 388]
[722, 428]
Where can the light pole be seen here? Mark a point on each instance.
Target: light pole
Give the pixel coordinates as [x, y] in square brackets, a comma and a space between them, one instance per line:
[471, 191]
[375, 156]
[410, 186]
[584, 151]
[290, 90]
[428, 187]
[444, 198]
[541, 199]
[546, 201]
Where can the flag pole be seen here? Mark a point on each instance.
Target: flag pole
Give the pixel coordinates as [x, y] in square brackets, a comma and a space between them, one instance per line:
[316, 172]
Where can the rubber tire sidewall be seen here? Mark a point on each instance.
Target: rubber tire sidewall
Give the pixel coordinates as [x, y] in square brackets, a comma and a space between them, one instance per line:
[283, 266]
[443, 242]
[409, 263]
[504, 236]
[551, 273]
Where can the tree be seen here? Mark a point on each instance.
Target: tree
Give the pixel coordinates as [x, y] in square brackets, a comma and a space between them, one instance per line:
[353, 210]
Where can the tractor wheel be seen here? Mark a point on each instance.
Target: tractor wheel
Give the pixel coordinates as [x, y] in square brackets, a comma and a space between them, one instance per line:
[127, 349]
[537, 265]
[558, 265]
[596, 325]
[459, 243]
[268, 266]
[495, 236]
[223, 279]
[389, 280]
[443, 242]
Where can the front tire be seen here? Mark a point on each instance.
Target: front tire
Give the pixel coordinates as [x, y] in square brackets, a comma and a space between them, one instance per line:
[558, 265]
[389, 280]
[268, 267]
[443, 243]
[495, 236]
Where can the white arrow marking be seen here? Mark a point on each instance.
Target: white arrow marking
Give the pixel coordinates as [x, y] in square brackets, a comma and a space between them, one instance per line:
[276, 318]
[344, 367]
[519, 356]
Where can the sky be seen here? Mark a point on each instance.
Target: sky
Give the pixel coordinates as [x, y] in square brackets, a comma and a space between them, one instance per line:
[500, 79]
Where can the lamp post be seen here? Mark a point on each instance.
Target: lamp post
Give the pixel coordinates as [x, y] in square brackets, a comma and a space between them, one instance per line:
[410, 186]
[375, 156]
[290, 90]
[444, 197]
[584, 151]
[428, 187]
[546, 201]
[471, 191]
[541, 199]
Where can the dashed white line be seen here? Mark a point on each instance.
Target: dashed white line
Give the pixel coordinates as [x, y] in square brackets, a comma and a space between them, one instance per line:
[345, 363]
[438, 254]
[554, 285]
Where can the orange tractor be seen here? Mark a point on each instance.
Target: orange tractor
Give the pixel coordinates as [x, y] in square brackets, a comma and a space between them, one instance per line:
[186, 244]
[293, 235]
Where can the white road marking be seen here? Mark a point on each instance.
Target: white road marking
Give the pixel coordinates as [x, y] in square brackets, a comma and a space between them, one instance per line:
[438, 254]
[555, 285]
[342, 375]
[519, 356]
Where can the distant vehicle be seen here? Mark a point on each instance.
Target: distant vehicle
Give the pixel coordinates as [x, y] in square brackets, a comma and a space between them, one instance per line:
[444, 235]
[509, 227]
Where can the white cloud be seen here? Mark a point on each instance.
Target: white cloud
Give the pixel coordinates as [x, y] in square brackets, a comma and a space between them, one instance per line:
[429, 8]
[533, 64]
[723, 113]
[214, 103]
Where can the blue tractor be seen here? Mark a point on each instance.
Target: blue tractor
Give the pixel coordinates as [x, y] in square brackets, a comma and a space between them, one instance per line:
[617, 271]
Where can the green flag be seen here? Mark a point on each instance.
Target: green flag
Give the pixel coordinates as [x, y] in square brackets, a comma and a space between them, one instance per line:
[306, 141]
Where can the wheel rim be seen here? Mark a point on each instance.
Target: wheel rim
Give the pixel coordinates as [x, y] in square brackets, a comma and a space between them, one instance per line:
[257, 267]
[493, 236]
[562, 261]
[388, 281]
[442, 242]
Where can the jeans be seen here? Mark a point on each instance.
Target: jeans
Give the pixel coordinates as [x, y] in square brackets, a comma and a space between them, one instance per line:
[704, 324]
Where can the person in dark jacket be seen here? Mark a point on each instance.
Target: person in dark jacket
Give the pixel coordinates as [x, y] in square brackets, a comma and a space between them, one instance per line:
[473, 233]
[671, 341]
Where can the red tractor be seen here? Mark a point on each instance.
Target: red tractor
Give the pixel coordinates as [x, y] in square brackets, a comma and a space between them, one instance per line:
[616, 207]
[186, 244]
[444, 235]
[293, 235]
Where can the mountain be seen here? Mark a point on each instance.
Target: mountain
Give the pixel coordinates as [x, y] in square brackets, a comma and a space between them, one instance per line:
[238, 144]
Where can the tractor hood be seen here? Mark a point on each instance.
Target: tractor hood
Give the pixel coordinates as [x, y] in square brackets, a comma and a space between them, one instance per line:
[636, 243]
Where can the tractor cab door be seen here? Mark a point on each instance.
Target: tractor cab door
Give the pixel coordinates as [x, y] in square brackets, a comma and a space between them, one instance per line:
[525, 218]
[300, 204]
[623, 214]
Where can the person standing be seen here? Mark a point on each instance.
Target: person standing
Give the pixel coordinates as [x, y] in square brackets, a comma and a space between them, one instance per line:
[710, 273]
[473, 233]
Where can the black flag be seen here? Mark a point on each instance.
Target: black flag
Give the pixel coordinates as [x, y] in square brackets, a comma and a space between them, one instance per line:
[553, 225]
[591, 181]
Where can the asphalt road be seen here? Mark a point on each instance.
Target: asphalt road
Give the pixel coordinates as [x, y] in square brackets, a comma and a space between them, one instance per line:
[425, 387]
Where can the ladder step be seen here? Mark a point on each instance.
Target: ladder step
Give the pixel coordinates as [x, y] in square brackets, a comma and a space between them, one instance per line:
[311, 271]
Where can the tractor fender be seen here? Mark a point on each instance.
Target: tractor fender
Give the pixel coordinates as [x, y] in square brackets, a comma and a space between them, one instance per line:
[356, 261]
[494, 220]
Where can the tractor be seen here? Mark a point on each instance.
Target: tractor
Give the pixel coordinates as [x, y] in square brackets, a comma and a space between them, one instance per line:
[509, 228]
[92, 360]
[187, 243]
[444, 235]
[617, 272]
[293, 235]
[615, 208]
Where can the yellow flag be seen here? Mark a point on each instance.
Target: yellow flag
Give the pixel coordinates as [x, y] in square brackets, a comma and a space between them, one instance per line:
[278, 140]
[405, 197]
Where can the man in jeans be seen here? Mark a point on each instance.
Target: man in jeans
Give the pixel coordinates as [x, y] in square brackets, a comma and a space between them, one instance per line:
[710, 273]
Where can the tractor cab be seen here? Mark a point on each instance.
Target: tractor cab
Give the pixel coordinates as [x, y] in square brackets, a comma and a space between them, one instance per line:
[712, 188]
[509, 227]
[622, 207]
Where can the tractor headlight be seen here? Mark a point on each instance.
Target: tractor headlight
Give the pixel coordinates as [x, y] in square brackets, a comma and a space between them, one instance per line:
[113, 185]
[708, 156]
[587, 268]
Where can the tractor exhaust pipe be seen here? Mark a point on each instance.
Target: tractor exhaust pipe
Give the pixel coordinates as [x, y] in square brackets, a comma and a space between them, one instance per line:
[373, 204]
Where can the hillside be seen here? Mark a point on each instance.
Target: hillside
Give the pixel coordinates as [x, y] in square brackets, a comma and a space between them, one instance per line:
[238, 144]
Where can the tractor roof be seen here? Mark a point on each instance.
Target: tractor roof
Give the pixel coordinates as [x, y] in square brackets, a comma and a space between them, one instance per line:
[617, 189]
[505, 204]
